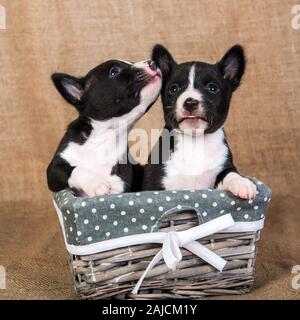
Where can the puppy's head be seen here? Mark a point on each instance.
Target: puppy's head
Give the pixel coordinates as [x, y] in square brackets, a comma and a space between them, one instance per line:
[113, 89]
[196, 95]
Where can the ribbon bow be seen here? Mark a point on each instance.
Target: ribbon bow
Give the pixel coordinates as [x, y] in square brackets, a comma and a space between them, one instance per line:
[172, 242]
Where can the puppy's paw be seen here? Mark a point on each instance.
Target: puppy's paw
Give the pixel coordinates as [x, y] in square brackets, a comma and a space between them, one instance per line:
[90, 184]
[99, 189]
[239, 186]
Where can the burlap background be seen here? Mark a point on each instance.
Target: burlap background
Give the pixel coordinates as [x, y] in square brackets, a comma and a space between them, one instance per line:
[73, 36]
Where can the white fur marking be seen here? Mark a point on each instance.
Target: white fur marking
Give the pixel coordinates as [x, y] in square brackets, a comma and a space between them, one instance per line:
[195, 165]
[190, 91]
[125, 61]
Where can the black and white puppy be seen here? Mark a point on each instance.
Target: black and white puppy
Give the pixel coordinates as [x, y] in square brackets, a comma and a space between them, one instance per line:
[92, 157]
[196, 98]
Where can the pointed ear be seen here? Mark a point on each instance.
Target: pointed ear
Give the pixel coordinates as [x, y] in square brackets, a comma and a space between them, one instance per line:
[232, 65]
[163, 59]
[71, 88]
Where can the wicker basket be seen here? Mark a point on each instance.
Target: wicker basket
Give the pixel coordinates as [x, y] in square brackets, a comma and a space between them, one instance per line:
[114, 273]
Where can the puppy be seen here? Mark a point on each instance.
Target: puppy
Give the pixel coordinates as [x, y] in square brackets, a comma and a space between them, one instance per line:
[92, 157]
[196, 98]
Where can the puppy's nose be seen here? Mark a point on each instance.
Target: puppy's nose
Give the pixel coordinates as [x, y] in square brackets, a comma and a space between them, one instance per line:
[191, 104]
[152, 65]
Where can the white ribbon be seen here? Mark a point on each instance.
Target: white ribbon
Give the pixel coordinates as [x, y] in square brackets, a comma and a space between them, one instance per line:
[172, 242]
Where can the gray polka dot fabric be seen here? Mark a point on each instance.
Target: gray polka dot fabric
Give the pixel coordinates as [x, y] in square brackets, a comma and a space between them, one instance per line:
[90, 220]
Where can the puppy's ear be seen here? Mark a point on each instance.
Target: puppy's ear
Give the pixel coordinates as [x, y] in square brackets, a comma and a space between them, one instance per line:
[232, 65]
[71, 88]
[164, 60]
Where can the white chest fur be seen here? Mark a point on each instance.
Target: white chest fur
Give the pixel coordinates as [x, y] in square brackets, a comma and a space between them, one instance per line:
[95, 158]
[195, 162]
[100, 152]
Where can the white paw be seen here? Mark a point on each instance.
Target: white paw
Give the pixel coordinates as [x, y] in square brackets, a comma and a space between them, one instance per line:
[89, 182]
[99, 189]
[239, 186]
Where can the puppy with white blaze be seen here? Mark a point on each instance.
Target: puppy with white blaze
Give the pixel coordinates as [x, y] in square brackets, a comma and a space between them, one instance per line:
[92, 157]
[196, 98]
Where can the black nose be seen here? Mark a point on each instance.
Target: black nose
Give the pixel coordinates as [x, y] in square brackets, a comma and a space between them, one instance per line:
[190, 104]
[152, 65]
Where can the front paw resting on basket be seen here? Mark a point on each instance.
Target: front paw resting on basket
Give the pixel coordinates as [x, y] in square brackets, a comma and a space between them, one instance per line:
[89, 183]
[238, 185]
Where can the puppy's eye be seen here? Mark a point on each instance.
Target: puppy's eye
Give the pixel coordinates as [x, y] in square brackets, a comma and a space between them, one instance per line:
[114, 72]
[212, 88]
[173, 88]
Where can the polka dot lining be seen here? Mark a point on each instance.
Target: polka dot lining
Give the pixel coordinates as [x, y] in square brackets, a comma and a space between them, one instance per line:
[86, 215]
